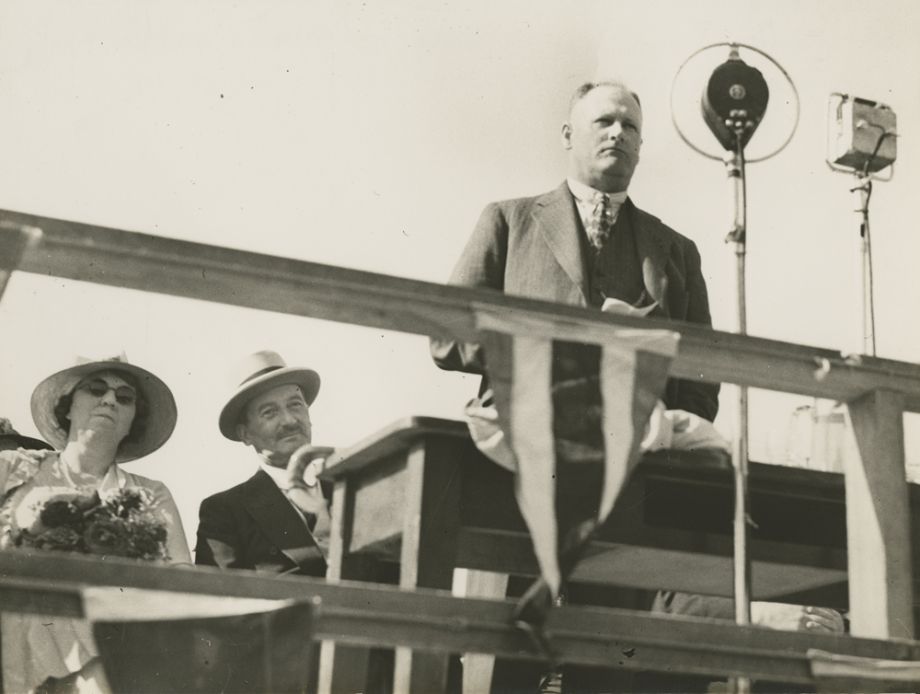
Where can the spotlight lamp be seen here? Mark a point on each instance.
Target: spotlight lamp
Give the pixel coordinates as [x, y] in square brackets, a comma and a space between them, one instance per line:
[861, 136]
[862, 141]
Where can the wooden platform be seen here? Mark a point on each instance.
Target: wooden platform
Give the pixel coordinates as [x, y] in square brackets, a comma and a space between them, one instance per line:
[419, 493]
[671, 528]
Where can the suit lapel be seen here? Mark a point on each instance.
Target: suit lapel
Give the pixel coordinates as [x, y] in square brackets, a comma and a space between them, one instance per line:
[556, 218]
[277, 518]
[653, 247]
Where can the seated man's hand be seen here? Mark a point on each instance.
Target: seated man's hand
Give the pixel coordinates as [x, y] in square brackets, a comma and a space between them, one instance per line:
[307, 462]
[776, 615]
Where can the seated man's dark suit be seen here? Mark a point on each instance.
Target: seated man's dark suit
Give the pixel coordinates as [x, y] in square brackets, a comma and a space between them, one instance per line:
[254, 526]
[536, 247]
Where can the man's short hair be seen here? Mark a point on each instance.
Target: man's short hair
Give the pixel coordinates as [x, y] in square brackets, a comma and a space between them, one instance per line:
[587, 87]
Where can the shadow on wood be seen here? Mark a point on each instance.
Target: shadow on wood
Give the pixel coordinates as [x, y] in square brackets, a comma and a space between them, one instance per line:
[268, 651]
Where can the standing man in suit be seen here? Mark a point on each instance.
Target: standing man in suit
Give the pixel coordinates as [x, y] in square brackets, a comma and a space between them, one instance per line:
[277, 521]
[586, 241]
[581, 244]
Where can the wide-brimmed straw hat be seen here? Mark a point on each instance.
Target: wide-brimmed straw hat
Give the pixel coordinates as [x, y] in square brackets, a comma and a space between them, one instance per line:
[9, 435]
[161, 410]
[257, 374]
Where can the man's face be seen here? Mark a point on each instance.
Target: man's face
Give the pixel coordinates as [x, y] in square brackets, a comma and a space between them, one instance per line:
[277, 423]
[603, 135]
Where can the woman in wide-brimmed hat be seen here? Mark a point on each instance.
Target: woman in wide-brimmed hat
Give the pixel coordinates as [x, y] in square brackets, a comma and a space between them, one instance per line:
[96, 414]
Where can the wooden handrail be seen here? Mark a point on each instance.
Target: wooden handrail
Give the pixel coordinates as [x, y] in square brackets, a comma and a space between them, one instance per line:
[368, 614]
[112, 257]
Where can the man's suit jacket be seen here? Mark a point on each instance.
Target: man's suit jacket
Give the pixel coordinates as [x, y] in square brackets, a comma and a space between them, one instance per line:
[535, 247]
[253, 526]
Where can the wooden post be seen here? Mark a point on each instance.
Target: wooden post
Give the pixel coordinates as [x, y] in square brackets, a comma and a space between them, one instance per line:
[428, 554]
[878, 522]
[342, 668]
[478, 667]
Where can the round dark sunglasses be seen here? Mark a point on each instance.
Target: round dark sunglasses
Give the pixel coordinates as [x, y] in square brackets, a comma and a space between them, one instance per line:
[124, 395]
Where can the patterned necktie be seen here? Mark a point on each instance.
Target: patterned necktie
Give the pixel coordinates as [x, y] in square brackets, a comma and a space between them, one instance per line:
[600, 223]
[309, 500]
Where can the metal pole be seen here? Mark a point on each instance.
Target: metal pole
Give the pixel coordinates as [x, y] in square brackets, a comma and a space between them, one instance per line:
[742, 566]
[863, 191]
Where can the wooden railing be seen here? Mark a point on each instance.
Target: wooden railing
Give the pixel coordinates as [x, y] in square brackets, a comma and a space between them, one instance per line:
[434, 621]
[132, 260]
[876, 391]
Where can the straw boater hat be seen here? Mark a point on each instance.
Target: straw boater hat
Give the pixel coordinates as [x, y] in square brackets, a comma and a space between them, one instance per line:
[257, 374]
[9, 435]
[161, 414]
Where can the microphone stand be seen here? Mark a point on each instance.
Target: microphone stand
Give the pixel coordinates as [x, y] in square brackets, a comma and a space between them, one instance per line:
[863, 192]
[734, 164]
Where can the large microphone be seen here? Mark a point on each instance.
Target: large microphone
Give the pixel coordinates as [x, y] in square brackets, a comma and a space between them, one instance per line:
[734, 101]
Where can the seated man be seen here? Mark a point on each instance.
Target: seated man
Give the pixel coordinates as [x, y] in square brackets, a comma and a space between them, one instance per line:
[278, 520]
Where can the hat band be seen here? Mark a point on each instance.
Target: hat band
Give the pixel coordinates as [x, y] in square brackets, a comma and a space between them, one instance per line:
[264, 371]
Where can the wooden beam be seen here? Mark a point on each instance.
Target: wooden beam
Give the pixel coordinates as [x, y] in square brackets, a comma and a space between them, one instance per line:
[18, 238]
[878, 520]
[41, 596]
[132, 260]
[435, 621]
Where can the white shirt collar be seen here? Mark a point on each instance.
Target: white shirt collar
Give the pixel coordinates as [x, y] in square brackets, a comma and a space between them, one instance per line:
[278, 475]
[585, 193]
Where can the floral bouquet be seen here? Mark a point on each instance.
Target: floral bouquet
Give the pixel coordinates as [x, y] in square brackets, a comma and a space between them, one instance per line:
[119, 522]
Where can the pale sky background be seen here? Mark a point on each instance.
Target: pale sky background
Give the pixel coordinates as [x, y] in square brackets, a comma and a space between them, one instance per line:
[370, 135]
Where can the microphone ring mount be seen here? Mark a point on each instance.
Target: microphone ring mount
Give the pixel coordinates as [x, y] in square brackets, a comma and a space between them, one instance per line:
[740, 121]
